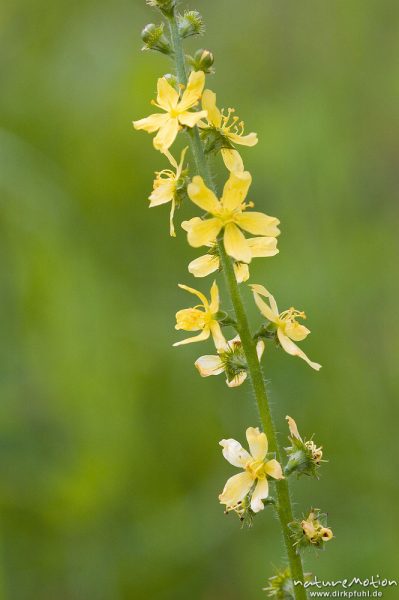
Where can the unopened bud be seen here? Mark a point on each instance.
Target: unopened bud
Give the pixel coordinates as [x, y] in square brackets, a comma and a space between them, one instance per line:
[202, 61]
[154, 39]
[166, 6]
[190, 23]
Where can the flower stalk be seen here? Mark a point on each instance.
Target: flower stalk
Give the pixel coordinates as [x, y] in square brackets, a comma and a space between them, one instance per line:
[223, 229]
[284, 505]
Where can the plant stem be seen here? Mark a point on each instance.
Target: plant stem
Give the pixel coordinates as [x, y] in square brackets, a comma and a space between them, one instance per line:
[284, 506]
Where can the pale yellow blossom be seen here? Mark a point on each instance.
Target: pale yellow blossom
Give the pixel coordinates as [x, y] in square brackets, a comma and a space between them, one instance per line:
[288, 329]
[165, 186]
[227, 214]
[230, 129]
[202, 317]
[256, 470]
[177, 110]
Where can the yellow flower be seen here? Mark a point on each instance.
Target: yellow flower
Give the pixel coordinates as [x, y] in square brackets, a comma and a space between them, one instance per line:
[209, 263]
[230, 129]
[227, 214]
[176, 109]
[256, 469]
[230, 359]
[201, 318]
[288, 329]
[166, 186]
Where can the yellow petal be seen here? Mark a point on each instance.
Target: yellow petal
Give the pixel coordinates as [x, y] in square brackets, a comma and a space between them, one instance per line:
[326, 534]
[296, 331]
[204, 265]
[151, 123]
[166, 135]
[244, 140]
[179, 167]
[236, 244]
[236, 488]
[232, 159]
[202, 233]
[204, 335]
[186, 225]
[270, 312]
[214, 303]
[262, 247]
[238, 380]
[234, 453]
[293, 428]
[200, 295]
[261, 492]
[162, 193]
[171, 224]
[273, 468]
[209, 104]
[293, 349]
[257, 442]
[258, 223]
[191, 118]
[218, 337]
[210, 364]
[241, 271]
[236, 189]
[172, 160]
[202, 196]
[260, 348]
[193, 91]
[167, 96]
[190, 319]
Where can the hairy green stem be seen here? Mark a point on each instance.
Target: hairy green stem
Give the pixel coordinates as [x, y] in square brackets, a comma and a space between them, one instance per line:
[284, 505]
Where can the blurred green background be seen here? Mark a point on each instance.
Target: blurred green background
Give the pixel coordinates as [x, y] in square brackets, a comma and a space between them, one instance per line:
[110, 464]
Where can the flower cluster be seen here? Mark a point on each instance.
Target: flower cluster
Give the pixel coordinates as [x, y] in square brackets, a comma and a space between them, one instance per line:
[233, 234]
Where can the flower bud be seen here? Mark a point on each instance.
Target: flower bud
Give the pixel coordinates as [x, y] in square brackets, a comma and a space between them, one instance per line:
[154, 39]
[202, 61]
[166, 6]
[190, 23]
[281, 586]
[312, 531]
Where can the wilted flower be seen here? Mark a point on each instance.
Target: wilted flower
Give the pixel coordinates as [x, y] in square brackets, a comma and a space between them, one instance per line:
[230, 360]
[304, 456]
[288, 329]
[223, 131]
[312, 531]
[167, 185]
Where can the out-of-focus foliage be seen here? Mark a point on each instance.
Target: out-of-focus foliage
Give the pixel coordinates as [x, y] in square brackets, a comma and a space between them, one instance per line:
[110, 464]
